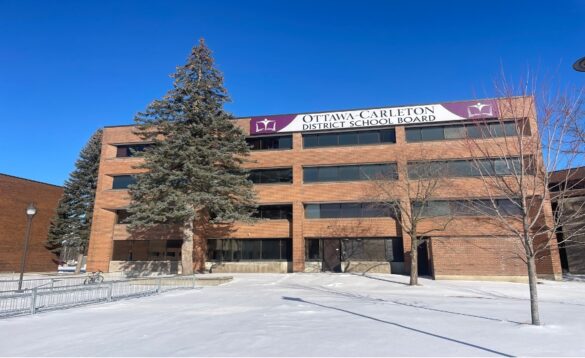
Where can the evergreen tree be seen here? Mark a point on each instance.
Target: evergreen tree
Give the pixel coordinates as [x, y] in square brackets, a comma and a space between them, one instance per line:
[72, 222]
[193, 169]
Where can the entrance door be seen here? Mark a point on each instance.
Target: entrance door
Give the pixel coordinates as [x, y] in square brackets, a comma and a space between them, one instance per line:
[424, 265]
[331, 255]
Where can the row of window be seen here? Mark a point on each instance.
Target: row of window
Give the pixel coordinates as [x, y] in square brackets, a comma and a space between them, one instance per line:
[475, 207]
[274, 212]
[346, 210]
[464, 168]
[463, 131]
[249, 249]
[270, 212]
[233, 250]
[375, 136]
[147, 250]
[335, 139]
[357, 249]
[350, 172]
[387, 171]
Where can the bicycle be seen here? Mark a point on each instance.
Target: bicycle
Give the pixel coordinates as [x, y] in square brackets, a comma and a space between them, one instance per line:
[93, 278]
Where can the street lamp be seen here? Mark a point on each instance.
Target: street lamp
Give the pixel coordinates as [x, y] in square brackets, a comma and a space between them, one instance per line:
[579, 65]
[30, 212]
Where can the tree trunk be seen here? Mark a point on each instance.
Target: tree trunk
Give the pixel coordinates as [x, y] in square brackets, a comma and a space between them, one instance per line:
[79, 263]
[414, 261]
[187, 249]
[532, 282]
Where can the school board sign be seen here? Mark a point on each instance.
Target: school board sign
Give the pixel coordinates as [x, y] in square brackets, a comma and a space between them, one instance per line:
[374, 117]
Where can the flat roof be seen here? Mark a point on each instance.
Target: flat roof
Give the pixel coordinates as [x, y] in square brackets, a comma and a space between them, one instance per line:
[347, 109]
[30, 180]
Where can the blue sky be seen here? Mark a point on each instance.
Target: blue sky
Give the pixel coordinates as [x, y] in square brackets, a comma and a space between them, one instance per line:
[68, 68]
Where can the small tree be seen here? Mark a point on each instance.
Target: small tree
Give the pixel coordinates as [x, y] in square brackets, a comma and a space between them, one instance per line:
[71, 225]
[409, 198]
[192, 172]
[529, 141]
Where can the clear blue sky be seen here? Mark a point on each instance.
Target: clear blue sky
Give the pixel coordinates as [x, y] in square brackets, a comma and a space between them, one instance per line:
[70, 67]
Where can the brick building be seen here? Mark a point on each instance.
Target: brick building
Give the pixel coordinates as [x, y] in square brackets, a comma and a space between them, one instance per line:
[15, 196]
[310, 172]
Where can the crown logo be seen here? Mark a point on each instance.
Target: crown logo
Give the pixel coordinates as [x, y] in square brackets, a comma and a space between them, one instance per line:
[480, 109]
[266, 125]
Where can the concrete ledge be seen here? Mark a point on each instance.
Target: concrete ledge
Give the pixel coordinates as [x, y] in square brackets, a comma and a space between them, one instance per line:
[519, 279]
[212, 281]
[145, 268]
[366, 266]
[250, 267]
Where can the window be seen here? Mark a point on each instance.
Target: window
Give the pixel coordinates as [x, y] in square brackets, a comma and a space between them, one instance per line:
[123, 181]
[350, 172]
[346, 210]
[465, 168]
[467, 130]
[130, 150]
[249, 249]
[266, 143]
[274, 212]
[271, 176]
[147, 250]
[473, 207]
[455, 132]
[121, 216]
[313, 249]
[380, 136]
[359, 249]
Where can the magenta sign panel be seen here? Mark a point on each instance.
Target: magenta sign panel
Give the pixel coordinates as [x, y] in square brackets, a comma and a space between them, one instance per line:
[374, 117]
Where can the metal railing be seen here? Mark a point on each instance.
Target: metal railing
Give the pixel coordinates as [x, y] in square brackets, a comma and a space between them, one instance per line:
[46, 297]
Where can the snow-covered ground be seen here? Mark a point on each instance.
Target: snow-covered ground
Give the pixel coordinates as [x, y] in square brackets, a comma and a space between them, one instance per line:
[314, 315]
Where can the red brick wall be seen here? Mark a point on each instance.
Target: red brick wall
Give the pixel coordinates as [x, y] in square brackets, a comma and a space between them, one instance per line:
[15, 196]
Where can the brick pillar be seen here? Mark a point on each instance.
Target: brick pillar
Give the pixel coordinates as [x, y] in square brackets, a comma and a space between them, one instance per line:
[298, 241]
[101, 243]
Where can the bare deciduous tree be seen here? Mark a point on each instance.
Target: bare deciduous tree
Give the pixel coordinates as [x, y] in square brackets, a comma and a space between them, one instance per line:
[408, 194]
[532, 137]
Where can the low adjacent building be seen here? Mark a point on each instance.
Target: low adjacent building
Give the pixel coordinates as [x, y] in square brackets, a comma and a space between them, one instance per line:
[310, 172]
[568, 192]
[15, 196]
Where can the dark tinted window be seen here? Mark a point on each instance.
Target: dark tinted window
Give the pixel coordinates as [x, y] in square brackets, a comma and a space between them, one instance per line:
[345, 210]
[465, 168]
[147, 250]
[249, 249]
[130, 150]
[264, 143]
[123, 181]
[121, 216]
[469, 130]
[473, 207]
[432, 133]
[270, 176]
[350, 173]
[349, 138]
[312, 249]
[413, 135]
[274, 212]
[359, 249]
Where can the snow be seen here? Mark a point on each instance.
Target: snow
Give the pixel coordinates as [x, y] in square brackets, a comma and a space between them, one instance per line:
[314, 315]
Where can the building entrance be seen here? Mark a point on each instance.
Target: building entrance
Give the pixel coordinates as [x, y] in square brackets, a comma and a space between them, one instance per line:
[332, 255]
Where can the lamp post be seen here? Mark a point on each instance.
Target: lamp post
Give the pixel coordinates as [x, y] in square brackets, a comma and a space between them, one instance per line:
[30, 213]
